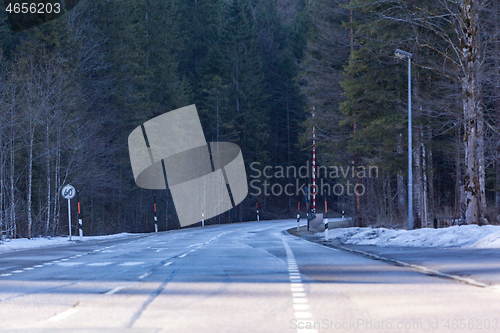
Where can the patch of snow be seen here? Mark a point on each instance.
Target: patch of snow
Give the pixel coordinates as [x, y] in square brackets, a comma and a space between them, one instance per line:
[24, 243]
[469, 236]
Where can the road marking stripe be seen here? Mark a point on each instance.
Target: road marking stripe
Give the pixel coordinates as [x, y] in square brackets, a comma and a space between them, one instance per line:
[182, 255]
[299, 294]
[6, 274]
[69, 264]
[300, 307]
[38, 266]
[145, 275]
[300, 300]
[114, 290]
[100, 264]
[168, 263]
[17, 271]
[63, 314]
[29, 268]
[303, 314]
[132, 263]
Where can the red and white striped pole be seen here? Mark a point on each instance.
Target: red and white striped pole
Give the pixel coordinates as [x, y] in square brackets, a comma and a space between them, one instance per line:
[298, 215]
[314, 167]
[202, 216]
[156, 218]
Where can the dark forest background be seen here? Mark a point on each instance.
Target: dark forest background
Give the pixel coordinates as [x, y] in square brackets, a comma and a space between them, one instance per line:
[73, 89]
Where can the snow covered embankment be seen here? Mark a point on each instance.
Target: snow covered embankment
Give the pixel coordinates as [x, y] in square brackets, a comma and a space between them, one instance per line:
[467, 236]
[23, 243]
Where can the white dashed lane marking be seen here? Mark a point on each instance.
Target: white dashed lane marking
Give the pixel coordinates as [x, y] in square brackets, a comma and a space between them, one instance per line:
[145, 275]
[69, 264]
[300, 303]
[132, 263]
[100, 264]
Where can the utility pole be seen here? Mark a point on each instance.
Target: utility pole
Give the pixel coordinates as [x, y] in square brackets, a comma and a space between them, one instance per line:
[406, 55]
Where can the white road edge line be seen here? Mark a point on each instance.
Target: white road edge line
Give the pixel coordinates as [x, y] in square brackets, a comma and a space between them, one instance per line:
[64, 314]
[418, 268]
[114, 290]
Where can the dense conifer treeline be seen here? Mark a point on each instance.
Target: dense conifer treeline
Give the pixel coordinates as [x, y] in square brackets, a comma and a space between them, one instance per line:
[73, 89]
[360, 99]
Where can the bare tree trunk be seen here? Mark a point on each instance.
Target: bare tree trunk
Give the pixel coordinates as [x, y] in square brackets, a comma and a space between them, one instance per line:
[425, 211]
[459, 198]
[417, 178]
[12, 213]
[430, 176]
[2, 188]
[57, 183]
[471, 99]
[357, 215]
[400, 182]
[30, 177]
[288, 146]
[417, 150]
[47, 167]
[496, 60]
[481, 163]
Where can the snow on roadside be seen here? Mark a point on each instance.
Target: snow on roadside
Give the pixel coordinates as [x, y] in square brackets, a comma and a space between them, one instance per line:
[24, 243]
[469, 236]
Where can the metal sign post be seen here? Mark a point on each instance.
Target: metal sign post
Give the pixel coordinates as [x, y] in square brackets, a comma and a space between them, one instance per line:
[257, 206]
[202, 216]
[156, 218]
[68, 192]
[325, 219]
[80, 230]
[298, 216]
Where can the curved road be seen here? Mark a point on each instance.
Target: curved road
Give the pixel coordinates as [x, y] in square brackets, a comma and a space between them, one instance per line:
[245, 277]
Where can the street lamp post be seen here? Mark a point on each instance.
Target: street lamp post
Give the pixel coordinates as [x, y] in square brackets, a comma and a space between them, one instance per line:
[406, 55]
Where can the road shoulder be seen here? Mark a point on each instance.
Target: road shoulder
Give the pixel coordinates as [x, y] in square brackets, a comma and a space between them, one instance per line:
[477, 267]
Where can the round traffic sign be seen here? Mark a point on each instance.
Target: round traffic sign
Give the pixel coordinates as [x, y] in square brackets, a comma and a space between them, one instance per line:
[68, 192]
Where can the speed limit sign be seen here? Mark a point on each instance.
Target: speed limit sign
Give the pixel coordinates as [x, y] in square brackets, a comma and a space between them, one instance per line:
[68, 192]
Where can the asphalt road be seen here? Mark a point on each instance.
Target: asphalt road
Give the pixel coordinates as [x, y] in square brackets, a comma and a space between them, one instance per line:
[248, 277]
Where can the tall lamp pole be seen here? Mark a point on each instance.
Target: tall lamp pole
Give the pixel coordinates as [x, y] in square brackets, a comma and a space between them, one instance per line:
[406, 55]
